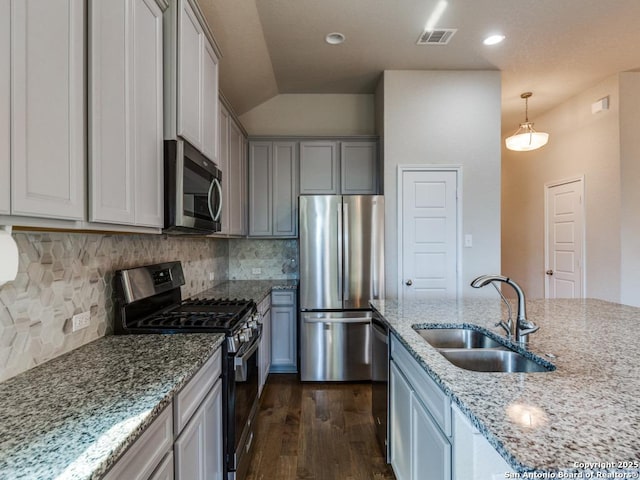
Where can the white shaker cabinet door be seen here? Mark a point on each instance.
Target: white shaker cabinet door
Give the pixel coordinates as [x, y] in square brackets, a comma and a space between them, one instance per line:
[191, 43]
[48, 108]
[126, 112]
[237, 180]
[5, 106]
[209, 102]
[147, 113]
[223, 164]
[198, 449]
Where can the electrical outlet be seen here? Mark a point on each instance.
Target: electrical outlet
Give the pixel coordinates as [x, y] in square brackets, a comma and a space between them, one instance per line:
[212, 276]
[80, 321]
[256, 271]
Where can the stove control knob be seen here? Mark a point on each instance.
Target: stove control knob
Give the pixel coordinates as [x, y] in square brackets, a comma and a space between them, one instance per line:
[252, 324]
[242, 338]
[248, 332]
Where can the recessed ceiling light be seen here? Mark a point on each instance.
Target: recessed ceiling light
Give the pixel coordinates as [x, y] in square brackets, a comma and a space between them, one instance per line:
[493, 39]
[335, 38]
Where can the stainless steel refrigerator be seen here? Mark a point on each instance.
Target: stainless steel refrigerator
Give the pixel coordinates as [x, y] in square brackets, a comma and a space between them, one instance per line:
[341, 269]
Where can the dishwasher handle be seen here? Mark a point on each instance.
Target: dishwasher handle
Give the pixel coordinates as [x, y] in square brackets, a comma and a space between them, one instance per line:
[380, 331]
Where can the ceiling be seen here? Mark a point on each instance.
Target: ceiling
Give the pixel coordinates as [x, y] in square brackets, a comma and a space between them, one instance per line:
[554, 48]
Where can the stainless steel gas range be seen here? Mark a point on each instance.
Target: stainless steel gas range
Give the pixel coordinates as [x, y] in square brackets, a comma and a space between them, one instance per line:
[149, 301]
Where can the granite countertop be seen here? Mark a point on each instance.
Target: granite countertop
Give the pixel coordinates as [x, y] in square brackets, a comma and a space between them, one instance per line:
[72, 417]
[255, 290]
[584, 416]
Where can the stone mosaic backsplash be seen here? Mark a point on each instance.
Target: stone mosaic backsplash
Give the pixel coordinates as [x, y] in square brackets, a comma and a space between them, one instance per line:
[62, 274]
[276, 259]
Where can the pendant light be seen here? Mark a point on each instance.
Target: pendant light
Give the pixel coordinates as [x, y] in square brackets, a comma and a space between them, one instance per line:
[526, 138]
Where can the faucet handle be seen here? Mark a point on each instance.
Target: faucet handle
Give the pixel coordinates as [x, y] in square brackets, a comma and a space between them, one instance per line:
[526, 327]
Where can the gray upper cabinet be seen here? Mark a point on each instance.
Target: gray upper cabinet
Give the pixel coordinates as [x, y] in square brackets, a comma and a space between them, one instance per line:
[48, 108]
[319, 168]
[358, 168]
[333, 167]
[125, 112]
[232, 162]
[237, 181]
[223, 164]
[273, 173]
[191, 78]
[5, 106]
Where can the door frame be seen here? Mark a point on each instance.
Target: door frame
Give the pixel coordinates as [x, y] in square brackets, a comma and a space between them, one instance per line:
[583, 264]
[457, 169]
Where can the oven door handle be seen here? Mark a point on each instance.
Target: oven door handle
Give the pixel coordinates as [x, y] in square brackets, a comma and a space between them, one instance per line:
[240, 362]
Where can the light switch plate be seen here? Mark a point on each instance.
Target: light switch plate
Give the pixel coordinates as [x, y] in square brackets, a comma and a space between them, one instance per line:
[468, 240]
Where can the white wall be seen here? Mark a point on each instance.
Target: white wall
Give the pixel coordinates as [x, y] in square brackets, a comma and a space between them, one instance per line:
[312, 114]
[446, 117]
[580, 143]
[630, 178]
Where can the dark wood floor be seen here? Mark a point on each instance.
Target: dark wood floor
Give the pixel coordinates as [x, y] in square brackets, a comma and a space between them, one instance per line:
[316, 431]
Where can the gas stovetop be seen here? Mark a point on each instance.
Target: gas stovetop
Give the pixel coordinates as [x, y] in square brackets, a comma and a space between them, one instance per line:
[149, 300]
[223, 316]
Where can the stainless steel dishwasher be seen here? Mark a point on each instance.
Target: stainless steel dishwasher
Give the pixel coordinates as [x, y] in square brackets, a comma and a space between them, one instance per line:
[380, 381]
[335, 346]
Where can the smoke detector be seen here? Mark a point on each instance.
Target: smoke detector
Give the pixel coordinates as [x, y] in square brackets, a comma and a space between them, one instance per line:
[440, 36]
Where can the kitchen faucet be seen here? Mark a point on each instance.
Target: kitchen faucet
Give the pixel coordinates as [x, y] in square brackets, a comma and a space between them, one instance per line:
[523, 327]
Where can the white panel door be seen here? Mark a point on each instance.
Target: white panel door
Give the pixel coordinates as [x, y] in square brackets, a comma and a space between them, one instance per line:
[565, 236]
[428, 213]
[5, 106]
[48, 108]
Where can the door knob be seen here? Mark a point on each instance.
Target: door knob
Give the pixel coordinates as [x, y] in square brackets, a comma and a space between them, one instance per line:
[409, 282]
[549, 272]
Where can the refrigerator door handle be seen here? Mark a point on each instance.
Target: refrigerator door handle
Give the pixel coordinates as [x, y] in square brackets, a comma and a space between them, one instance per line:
[339, 233]
[345, 239]
[312, 319]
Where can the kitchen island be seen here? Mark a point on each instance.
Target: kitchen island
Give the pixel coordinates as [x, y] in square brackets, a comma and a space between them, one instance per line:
[582, 418]
[75, 416]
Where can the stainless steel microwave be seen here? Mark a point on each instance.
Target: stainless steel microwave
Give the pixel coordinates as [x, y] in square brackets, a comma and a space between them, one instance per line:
[192, 190]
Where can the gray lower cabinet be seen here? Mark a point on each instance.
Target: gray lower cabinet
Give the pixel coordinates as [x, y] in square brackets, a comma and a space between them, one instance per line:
[429, 437]
[419, 421]
[264, 357]
[284, 331]
[338, 167]
[149, 452]
[273, 180]
[198, 449]
[185, 441]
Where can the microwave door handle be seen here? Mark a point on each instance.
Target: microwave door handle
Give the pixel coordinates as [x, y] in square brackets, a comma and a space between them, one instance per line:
[218, 187]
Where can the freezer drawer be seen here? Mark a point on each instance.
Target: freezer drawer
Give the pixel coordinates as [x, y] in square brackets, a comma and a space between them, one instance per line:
[335, 346]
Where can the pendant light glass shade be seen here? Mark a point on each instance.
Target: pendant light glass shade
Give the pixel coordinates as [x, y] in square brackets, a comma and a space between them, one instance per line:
[526, 138]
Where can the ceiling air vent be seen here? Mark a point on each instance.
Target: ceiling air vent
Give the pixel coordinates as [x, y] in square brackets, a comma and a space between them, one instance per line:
[440, 36]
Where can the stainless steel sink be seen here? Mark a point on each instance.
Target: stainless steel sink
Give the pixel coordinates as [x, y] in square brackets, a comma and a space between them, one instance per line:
[482, 360]
[457, 338]
[474, 350]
